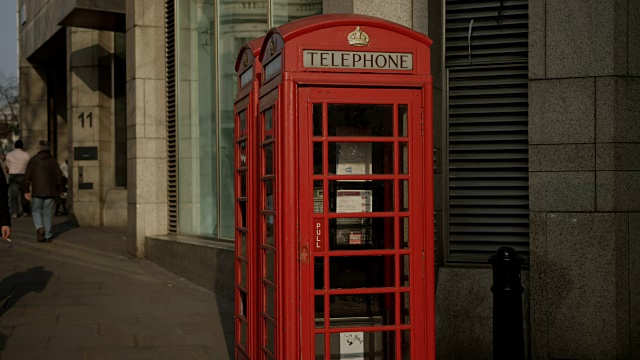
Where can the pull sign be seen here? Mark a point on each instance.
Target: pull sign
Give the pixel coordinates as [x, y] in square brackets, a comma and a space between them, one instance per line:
[318, 235]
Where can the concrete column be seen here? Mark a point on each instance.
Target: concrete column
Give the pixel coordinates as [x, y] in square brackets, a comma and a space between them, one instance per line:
[584, 179]
[146, 122]
[90, 121]
[33, 101]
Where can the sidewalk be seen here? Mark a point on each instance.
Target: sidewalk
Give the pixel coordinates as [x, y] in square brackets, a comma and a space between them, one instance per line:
[83, 297]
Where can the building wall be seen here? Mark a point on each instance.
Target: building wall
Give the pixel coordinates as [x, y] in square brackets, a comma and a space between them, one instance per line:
[584, 181]
[146, 122]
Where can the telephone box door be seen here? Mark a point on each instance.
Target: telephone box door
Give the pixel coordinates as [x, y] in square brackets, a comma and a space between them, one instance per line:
[362, 203]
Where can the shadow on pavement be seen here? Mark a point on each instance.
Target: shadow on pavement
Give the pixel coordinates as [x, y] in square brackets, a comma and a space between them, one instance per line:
[17, 285]
[59, 229]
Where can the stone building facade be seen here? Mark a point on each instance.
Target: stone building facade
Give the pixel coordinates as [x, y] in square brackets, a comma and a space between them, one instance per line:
[96, 79]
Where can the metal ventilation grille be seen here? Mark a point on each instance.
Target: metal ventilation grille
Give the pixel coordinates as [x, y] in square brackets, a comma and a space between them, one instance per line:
[483, 32]
[172, 136]
[488, 161]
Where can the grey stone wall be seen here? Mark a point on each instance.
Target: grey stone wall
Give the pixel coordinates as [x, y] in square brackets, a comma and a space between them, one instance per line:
[146, 122]
[584, 137]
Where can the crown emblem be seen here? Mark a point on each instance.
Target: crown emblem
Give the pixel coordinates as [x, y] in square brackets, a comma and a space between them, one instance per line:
[358, 38]
[245, 60]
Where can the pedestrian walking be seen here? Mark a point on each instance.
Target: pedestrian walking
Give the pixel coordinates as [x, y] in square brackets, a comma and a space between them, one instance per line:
[41, 186]
[16, 162]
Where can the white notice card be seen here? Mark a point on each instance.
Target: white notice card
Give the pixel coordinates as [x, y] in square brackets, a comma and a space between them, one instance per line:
[351, 201]
[352, 345]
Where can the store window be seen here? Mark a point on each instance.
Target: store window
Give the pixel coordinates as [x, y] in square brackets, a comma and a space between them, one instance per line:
[209, 34]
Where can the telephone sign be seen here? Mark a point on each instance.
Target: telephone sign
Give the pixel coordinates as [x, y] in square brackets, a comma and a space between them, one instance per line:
[339, 206]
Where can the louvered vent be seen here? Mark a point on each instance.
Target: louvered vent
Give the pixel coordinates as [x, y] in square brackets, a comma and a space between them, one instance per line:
[486, 32]
[172, 136]
[488, 161]
[487, 128]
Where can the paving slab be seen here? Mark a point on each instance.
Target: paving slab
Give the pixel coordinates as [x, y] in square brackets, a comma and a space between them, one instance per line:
[82, 296]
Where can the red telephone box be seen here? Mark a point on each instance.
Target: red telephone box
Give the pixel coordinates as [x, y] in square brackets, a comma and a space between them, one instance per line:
[343, 205]
[245, 130]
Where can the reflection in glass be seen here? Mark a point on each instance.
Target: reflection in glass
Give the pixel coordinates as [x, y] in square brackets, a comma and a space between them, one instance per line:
[243, 273]
[243, 244]
[404, 158]
[268, 190]
[198, 147]
[269, 224]
[360, 120]
[360, 196]
[379, 308]
[317, 158]
[284, 11]
[405, 302]
[267, 125]
[242, 115]
[317, 119]
[271, 333]
[404, 266]
[403, 115]
[318, 273]
[350, 272]
[319, 306]
[361, 233]
[270, 265]
[243, 334]
[243, 213]
[268, 159]
[320, 346]
[360, 158]
[243, 184]
[376, 345]
[404, 195]
[404, 233]
[406, 344]
[318, 197]
[270, 305]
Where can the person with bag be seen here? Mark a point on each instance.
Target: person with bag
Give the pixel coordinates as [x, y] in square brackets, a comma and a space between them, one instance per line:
[41, 186]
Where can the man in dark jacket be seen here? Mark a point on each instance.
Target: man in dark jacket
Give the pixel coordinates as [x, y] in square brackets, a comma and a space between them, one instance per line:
[41, 184]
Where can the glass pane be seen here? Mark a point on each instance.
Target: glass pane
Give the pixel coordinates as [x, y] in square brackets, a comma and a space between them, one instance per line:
[243, 244]
[242, 115]
[350, 272]
[405, 308]
[404, 232]
[243, 304]
[243, 184]
[357, 158]
[199, 160]
[270, 334]
[360, 196]
[361, 233]
[404, 158]
[268, 125]
[268, 159]
[270, 303]
[243, 334]
[269, 224]
[270, 265]
[406, 344]
[368, 310]
[406, 270]
[319, 306]
[284, 11]
[363, 345]
[318, 197]
[243, 213]
[360, 120]
[318, 273]
[404, 195]
[403, 115]
[268, 190]
[317, 119]
[317, 158]
[319, 346]
[242, 146]
[243, 274]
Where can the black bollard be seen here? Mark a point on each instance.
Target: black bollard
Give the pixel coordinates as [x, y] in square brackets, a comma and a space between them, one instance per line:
[508, 341]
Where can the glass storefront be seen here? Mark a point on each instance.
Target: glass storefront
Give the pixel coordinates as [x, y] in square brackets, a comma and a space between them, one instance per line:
[209, 34]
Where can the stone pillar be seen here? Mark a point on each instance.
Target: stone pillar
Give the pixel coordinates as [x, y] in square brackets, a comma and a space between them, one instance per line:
[90, 121]
[33, 102]
[146, 122]
[584, 135]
